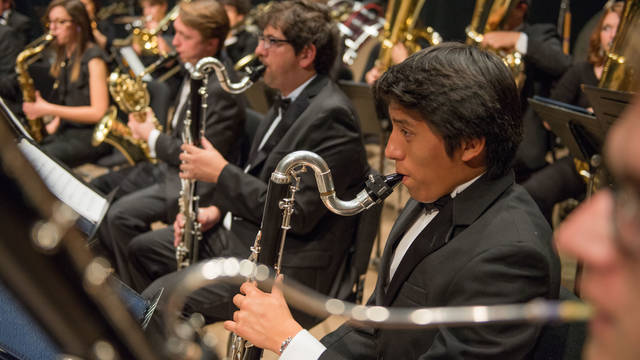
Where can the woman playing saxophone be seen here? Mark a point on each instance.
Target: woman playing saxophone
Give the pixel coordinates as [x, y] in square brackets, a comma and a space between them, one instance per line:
[80, 96]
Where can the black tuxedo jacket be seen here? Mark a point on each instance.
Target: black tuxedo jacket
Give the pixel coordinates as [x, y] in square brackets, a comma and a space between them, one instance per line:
[497, 250]
[224, 123]
[322, 120]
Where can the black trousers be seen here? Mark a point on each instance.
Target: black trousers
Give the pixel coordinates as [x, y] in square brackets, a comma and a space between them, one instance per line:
[128, 217]
[72, 146]
[152, 257]
[555, 183]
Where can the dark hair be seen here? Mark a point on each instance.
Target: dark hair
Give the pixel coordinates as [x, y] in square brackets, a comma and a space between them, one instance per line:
[242, 6]
[461, 92]
[596, 54]
[81, 20]
[304, 23]
[207, 17]
[153, 2]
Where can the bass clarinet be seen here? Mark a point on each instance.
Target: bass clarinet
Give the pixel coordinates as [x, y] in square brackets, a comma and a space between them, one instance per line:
[193, 131]
[283, 184]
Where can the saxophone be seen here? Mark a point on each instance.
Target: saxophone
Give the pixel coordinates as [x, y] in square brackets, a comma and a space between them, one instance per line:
[193, 130]
[132, 96]
[36, 126]
[283, 184]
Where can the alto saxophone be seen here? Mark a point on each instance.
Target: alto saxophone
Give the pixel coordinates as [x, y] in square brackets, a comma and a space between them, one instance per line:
[193, 130]
[36, 126]
[284, 182]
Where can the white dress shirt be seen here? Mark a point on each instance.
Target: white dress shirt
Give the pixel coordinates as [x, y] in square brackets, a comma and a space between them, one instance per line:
[226, 222]
[304, 345]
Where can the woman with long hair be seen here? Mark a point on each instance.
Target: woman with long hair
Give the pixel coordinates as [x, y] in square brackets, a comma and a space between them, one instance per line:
[80, 97]
[560, 181]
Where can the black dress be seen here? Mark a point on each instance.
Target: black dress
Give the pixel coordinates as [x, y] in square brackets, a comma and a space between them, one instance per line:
[560, 180]
[71, 144]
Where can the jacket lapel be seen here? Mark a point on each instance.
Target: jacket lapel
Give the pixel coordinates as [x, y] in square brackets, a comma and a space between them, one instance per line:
[295, 110]
[459, 213]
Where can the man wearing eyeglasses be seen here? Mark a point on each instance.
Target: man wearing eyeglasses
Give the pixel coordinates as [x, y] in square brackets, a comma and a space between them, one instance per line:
[298, 46]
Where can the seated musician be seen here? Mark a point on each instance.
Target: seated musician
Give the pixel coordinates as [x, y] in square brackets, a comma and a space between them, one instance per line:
[544, 63]
[80, 95]
[147, 192]
[468, 236]
[240, 41]
[560, 180]
[153, 11]
[298, 46]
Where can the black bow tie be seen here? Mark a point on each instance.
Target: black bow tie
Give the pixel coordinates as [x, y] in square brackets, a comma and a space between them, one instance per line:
[282, 103]
[438, 204]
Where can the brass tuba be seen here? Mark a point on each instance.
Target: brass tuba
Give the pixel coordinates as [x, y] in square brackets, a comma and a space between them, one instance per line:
[24, 59]
[617, 73]
[400, 26]
[132, 96]
[491, 15]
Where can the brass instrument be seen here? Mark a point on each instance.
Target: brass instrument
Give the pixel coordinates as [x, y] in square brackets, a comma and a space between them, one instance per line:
[400, 26]
[193, 130]
[278, 208]
[147, 39]
[24, 59]
[132, 96]
[618, 73]
[491, 15]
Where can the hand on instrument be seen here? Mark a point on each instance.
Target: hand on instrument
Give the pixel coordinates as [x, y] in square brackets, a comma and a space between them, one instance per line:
[207, 217]
[505, 40]
[141, 130]
[399, 53]
[36, 109]
[53, 125]
[204, 164]
[263, 319]
[372, 75]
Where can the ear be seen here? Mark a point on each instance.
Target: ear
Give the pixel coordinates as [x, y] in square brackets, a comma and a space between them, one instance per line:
[213, 45]
[307, 56]
[472, 149]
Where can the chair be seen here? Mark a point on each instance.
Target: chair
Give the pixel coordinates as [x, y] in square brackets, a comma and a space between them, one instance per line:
[561, 341]
[350, 277]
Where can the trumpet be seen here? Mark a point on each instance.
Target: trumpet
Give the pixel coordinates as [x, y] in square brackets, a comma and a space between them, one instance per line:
[147, 39]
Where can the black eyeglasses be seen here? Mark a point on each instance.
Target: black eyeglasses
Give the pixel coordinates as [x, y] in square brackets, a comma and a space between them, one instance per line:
[59, 22]
[270, 41]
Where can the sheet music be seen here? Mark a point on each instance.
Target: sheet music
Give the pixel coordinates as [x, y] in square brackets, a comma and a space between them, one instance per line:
[67, 188]
[134, 62]
[14, 119]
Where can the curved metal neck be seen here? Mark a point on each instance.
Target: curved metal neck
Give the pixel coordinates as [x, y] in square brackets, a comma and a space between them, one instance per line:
[365, 199]
[208, 64]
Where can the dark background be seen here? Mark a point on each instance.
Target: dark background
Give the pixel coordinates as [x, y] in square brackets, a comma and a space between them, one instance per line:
[448, 17]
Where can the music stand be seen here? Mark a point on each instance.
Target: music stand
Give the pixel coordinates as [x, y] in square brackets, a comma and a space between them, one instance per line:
[607, 104]
[65, 185]
[579, 129]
